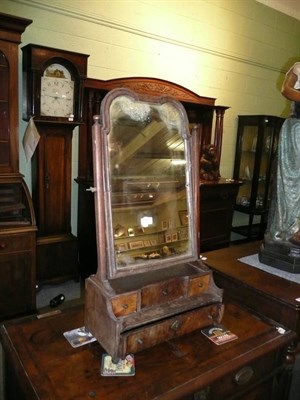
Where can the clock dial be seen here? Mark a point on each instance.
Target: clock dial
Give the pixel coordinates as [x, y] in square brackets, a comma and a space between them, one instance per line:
[57, 92]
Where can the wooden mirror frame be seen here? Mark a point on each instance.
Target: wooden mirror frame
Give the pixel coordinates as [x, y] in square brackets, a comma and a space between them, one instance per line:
[106, 242]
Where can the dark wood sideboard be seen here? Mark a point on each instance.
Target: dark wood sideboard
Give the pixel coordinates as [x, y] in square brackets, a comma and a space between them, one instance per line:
[262, 292]
[41, 364]
[217, 200]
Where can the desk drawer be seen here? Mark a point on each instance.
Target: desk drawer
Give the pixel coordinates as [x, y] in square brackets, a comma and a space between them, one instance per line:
[13, 243]
[162, 292]
[176, 326]
[245, 378]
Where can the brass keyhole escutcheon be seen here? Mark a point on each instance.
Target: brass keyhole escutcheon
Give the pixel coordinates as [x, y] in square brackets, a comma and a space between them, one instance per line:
[175, 325]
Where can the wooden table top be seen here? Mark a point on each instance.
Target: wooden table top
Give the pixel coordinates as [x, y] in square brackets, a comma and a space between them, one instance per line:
[47, 367]
[264, 293]
[226, 262]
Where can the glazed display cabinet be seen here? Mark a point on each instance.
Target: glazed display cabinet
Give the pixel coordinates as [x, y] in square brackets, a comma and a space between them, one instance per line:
[257, 141]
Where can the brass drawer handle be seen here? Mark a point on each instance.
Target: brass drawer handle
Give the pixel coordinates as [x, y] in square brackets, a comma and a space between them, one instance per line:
[140, 341]
[165, 292]
[125, 306]
[244, 375]
[200, 284]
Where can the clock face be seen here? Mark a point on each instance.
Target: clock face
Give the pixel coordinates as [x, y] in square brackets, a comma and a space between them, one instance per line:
[57, 92]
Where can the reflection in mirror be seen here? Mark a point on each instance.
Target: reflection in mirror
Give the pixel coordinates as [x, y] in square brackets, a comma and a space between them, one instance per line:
[148, 181]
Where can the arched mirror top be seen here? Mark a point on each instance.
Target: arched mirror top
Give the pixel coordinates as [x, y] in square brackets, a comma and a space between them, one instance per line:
[144, 184]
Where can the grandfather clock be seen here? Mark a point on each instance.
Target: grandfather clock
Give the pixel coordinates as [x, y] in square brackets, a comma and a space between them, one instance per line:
[53, 91]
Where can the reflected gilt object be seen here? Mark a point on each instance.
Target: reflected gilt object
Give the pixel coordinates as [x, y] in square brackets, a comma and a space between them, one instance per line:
[119, 231]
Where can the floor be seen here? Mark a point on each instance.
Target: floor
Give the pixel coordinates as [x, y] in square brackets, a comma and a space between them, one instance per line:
[71, 290]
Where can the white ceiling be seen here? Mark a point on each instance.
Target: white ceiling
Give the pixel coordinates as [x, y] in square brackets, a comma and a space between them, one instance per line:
[290, 7]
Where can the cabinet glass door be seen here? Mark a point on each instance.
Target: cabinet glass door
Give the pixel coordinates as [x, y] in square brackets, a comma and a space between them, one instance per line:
[247, 164]
[257, 142]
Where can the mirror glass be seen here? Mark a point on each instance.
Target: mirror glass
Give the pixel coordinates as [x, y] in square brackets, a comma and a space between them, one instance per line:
[148, 182]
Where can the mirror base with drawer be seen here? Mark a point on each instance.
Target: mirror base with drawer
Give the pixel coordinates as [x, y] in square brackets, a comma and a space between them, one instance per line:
[150, 284]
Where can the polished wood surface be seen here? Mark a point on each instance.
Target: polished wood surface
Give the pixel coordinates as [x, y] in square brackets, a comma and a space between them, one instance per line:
[217, 201]
[51, 164]
[41, 364]
[265, 293]
[11, 29]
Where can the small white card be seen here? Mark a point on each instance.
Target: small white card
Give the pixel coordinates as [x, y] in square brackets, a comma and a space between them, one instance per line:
[79, 337]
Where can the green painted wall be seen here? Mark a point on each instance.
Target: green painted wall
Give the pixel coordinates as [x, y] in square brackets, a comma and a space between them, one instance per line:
[234, 50]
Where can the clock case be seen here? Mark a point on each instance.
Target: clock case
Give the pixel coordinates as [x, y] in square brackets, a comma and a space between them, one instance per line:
[51, 164]
[36, 59]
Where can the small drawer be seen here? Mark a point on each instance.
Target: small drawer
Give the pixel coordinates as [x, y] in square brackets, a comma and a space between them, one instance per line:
[173, 327]
[198, 285]
[124, 304]
[162, 292]
[13, 243]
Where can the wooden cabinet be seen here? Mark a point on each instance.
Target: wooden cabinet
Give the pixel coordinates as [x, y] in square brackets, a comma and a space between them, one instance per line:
[17, 219]
[11, 29]
[257, 140]
[257, 365]
[17, 272]
[17, 249]
[217, 200]
[57, 252]
[147, 314]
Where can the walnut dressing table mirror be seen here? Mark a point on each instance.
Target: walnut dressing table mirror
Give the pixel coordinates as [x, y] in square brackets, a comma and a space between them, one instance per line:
[150, 285]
